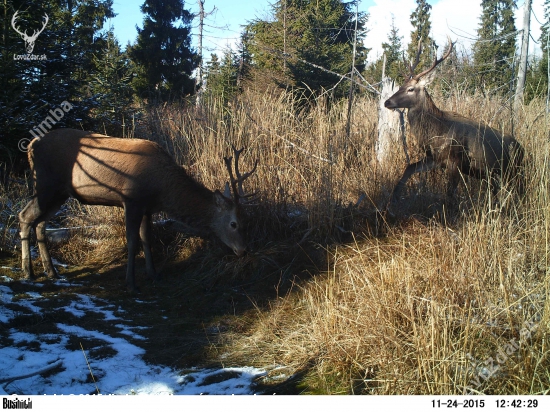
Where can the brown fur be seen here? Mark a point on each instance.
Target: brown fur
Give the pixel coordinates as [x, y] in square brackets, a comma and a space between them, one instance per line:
[135, 174]
[451, 141]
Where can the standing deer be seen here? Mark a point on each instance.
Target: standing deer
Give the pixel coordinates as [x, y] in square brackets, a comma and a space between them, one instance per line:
[451, 141]
[135, 174]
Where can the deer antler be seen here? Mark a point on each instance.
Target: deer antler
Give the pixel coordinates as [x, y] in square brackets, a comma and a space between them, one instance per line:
[13, 20]
[37, 32]
[437, 61]
[29, 40]
[412, 67]
[24, 34]
[237, 182]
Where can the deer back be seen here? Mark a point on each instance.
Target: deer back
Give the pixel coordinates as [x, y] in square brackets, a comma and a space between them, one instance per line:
[132, 173]
[103, 170]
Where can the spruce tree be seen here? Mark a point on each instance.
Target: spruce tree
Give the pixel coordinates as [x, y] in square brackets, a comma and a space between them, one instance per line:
[393, 51]
[30, 89]
[311, 32]
[75, 34]
[163, 52]
[222, 76]
[14, 101]
[111, 87]
[244, 58]
[420, 20]
[495, 48]
[545, 28]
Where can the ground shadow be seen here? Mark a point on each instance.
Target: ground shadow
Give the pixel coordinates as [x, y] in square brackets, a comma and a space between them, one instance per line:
[210, 293]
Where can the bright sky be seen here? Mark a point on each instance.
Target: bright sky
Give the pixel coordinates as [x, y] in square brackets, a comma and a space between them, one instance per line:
[456, 18]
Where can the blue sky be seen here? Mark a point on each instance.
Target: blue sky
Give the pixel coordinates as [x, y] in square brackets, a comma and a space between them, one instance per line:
[230, 15]
[456, 18]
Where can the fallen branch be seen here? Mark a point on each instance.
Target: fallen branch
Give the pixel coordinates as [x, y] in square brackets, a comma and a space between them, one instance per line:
[54, 365]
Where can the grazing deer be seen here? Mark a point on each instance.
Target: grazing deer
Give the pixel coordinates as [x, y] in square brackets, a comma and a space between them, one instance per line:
[135, 174]
[451, 141]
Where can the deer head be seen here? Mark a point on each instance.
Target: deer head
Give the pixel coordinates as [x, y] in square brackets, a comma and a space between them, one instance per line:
[410, 94]
[29, 40]
[227, 221]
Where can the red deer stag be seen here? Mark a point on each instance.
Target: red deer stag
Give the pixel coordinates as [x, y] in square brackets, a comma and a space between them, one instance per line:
[451, 141]
[135, 174]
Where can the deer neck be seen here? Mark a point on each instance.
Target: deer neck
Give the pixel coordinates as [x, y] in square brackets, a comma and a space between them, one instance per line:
[189, 202]
[425, 119]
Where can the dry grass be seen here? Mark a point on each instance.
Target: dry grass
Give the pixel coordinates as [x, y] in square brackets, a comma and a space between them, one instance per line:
[404, 314]
[429, 308]
[13, 198]
[98, 235]
[418, 306]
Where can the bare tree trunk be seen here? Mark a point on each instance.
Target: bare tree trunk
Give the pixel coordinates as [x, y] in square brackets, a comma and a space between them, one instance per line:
[199, 81]
[389, 126]
[520, 86]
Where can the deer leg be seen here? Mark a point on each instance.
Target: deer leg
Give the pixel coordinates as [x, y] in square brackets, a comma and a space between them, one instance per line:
[494, 182]
[145, 235]
[44, 252]
[519, 181]
[36, 216]
[40, 224]
[424, 165]
[26, 221]
[496, 179]
[516, 171]
[453, 176]
[133, 220]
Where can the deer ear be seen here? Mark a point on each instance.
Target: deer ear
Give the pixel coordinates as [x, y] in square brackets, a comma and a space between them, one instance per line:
[427, 79]
[221, 201]
[227, 191]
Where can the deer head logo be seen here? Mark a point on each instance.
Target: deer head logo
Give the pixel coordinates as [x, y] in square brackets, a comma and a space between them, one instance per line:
[29, 40]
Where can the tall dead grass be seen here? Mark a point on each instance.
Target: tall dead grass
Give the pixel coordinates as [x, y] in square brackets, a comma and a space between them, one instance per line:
[420, 310]
[424, 309]
[429, 308]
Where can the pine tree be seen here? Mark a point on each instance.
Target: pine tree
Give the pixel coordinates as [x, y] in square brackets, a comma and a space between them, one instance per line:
[71, 38]
[393, 50]
[221, 77]
[163, 50]
[309, 31]
[75, 34]
[111, 87]
[495, 47]
[420, 20]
